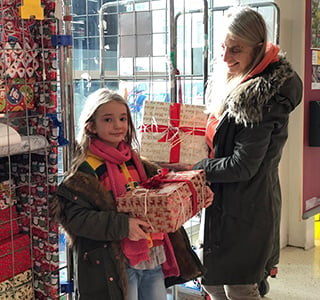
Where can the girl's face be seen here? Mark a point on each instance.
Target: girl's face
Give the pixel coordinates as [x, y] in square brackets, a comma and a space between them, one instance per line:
[237, 55]
[111, 123]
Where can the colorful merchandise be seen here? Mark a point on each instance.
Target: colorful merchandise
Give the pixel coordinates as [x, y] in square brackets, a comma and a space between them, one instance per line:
[7, 194]
[28, 94]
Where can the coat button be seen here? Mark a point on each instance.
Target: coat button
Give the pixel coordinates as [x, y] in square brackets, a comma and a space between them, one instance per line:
[111, 278]
[105, 245]
[75, 198]
[98, 262]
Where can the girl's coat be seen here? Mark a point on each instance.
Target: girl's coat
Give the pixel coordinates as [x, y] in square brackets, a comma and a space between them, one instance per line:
[98, 258]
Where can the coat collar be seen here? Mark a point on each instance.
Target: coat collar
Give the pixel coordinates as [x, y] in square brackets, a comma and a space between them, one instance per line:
[245, 103]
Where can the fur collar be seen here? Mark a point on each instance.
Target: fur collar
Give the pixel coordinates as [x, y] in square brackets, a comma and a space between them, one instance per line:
[245, 103]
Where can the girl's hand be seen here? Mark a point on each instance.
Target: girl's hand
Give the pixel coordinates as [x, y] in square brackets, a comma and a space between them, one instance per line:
[136, 231]
[209, 199]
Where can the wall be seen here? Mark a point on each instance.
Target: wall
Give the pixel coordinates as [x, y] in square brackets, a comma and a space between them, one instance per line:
[311, 187]
[294, 230]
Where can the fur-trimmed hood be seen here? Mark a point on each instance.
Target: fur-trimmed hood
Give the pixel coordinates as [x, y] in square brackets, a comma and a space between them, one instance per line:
[245, 103]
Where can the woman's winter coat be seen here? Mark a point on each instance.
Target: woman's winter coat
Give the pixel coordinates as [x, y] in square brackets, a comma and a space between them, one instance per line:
[89, 218]
[241, 238]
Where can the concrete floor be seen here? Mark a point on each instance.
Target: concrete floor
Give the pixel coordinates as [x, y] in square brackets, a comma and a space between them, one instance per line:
[298, 275]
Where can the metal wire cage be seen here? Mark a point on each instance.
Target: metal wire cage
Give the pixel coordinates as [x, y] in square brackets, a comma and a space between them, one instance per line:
[28, 150]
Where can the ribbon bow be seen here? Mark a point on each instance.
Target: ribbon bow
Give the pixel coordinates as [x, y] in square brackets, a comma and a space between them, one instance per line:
[155, 182]
[172, 131]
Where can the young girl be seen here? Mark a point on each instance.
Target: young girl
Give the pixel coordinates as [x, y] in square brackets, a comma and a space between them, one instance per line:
[114, 258]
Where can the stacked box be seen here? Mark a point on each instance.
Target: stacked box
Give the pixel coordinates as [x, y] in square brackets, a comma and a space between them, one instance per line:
[17, 287]
[173, 132]
[168, 205]
[8, 222]
[14, 256]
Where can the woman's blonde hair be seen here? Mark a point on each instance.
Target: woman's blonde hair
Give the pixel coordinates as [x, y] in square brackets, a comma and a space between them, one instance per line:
[88, 115]
[247, 25]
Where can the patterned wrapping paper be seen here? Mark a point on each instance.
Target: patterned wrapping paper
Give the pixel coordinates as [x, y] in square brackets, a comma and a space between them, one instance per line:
[173, 132]
[7, 194]
[8, 222]
[17, 287]
[16, 97]
[167, 207]
[27, 58]
[21, 253]
[23, 292]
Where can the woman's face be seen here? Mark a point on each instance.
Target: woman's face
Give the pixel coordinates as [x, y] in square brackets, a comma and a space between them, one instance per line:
[237, 55]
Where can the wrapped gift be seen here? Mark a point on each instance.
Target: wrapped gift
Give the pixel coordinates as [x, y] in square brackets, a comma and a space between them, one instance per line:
[173, 132]
[167, 200]
[14, 256]
[17, 287]
[8, 222]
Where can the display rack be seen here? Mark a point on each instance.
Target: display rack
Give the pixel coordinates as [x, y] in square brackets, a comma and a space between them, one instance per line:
[29, 248]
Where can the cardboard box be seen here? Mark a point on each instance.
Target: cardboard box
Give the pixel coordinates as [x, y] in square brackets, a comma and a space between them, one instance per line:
[168, 206]
[173, 132]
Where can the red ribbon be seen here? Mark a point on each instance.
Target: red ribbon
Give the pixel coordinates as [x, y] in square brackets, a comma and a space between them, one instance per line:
[155, 182]
[172, 132]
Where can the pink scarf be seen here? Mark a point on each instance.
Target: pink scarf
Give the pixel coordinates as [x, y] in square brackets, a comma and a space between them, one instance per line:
[114, 157]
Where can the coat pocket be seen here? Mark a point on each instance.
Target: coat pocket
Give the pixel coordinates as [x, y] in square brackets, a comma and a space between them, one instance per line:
[98, 274]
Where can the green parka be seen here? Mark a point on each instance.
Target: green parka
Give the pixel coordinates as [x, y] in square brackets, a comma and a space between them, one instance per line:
[241, 235]
[94, 229]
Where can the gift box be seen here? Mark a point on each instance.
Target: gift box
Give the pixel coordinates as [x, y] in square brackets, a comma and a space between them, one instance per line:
[14, 256]
[167, 200]
[17, 287]
[8, 222]
[173, 132]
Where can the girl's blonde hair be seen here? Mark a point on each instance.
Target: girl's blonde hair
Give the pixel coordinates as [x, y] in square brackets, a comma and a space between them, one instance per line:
[247, 25]
[88, 115]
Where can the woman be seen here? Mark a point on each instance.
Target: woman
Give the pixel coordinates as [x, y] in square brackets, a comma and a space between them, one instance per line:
[246, 132]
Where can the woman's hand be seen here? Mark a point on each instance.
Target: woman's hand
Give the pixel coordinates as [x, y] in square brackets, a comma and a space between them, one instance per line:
[176, 167]
[209, 199]
[136, 231]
